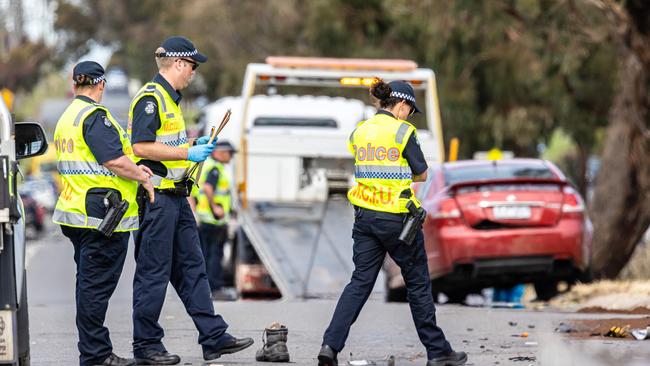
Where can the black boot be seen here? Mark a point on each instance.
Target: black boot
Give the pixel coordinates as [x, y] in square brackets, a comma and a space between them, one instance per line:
[452, 359]
[327, 356]
[115, 360]
[275, 344]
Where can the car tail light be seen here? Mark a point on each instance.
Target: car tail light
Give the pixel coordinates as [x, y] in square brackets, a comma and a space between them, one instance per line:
[573, 203]
[448, 209]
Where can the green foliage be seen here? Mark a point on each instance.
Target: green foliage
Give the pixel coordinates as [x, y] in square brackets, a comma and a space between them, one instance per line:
[509, 71]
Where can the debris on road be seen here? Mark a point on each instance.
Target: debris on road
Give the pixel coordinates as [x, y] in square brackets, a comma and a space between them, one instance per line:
[641, 334]
[564, 328]
[617, 331]
[523, 358]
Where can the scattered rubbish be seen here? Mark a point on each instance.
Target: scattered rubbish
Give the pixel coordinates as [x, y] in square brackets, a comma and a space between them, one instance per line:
[483, 339]
[595, 334]
[641, 334]
[361, 363]
[531, 343]
[564, 328]
[522, 335]
[512, 324]
[617, 332]
[505, 346]
[470, 329]
[482, 346]
[531, 326]
[523, 358]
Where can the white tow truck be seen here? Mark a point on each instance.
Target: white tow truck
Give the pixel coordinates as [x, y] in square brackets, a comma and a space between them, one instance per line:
[291, 125]
[17, 141]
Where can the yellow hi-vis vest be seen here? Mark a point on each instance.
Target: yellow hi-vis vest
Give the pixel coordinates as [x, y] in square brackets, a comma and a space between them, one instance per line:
[80, 171]
[381, 172]
[221, 194]
[171, 132]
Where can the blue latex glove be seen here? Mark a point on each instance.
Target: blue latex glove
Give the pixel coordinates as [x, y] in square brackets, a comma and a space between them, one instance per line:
[204, 140]
[198, 153]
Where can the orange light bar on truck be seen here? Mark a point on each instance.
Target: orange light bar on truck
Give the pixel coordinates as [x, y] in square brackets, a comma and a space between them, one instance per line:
[341, 63]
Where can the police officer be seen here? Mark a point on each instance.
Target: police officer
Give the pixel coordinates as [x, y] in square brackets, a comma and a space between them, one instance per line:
[213, 209]
[388, 159]
[94, 158]
[167, 244]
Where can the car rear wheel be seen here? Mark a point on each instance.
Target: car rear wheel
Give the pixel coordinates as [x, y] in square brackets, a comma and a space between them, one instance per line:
[546, 290]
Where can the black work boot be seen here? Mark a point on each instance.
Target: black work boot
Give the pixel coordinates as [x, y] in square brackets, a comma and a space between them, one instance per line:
[452, 359]
[157, 358]
[232, 346]
[327, 356]
[275, 344]
[115, 360]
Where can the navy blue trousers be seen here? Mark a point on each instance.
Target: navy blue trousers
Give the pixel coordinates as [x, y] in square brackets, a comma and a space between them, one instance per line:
[375, 234]
[213, 238]
[99, 265]
[168, 250]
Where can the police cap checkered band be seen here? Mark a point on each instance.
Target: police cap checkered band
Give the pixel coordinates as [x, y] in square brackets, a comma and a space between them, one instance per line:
[93, 71]
[403, 96]
[178, 46]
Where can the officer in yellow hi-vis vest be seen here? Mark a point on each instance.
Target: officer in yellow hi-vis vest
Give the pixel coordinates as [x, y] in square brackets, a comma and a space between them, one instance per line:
[388, 159]
[95, 160]
[213, 209]
[167, 244]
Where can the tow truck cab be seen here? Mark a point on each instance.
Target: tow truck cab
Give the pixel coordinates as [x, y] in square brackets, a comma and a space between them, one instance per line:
[17, 141]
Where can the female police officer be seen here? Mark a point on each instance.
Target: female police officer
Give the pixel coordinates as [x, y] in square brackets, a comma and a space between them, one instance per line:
[94, 157]
[388, 159]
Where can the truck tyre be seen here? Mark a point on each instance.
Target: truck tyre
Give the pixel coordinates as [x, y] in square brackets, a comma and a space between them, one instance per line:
[22, 318]
[395, 294]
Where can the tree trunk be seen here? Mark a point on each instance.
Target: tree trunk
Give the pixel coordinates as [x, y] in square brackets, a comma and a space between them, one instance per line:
[621, 209]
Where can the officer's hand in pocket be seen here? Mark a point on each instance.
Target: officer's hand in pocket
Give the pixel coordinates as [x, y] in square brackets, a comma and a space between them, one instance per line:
[199, 153]
[150, 192]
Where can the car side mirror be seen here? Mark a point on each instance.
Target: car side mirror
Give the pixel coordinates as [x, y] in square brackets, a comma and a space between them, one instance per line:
[30, 140]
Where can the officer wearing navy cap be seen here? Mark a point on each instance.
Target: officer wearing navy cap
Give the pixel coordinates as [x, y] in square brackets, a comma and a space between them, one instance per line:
[213, 209]
[94, 157]
[388, 159]
[167, 244]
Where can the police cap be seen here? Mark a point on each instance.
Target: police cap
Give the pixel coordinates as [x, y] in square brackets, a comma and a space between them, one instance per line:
[93, 72]
[403, 90]
[225, 145]
[179, 46]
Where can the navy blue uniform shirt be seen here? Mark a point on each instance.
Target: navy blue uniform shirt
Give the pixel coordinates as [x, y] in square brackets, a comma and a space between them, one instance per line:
[412, 152]
[100, 135]
[213, 178]
[146, 121]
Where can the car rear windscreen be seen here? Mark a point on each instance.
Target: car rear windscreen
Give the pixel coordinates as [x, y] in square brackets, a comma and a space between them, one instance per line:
[294, 122]
[488, 172]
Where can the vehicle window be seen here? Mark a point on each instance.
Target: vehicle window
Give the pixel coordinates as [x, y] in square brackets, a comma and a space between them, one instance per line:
[295, 122]
[423, 188]
[459, 175]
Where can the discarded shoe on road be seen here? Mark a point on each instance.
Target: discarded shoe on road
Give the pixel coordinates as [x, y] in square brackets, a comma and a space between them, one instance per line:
[274, 349]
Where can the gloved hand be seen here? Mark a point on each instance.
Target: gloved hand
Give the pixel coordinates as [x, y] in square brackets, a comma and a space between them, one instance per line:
[198, 153]
[204, 140]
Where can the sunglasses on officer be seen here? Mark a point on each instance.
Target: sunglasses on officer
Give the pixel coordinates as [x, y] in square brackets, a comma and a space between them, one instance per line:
[194, 64]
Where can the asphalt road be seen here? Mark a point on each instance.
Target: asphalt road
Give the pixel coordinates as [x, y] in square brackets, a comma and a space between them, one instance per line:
[381, 330]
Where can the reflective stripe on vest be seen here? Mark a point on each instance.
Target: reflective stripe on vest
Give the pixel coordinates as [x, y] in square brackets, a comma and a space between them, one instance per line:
[381, 172]
[80, 171]
[171, 132]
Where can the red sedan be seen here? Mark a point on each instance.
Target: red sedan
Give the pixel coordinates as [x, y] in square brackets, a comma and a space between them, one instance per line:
[500, 223]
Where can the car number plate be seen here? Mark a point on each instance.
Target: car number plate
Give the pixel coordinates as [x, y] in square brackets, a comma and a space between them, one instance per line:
[511, 212]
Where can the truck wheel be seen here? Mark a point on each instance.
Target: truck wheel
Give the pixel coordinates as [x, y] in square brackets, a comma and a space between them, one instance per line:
[546, 290]
[395, 294]
[22, 318]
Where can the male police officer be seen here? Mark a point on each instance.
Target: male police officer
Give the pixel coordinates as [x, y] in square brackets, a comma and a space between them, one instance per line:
[167, 244]
[213, 209]
[94, 158]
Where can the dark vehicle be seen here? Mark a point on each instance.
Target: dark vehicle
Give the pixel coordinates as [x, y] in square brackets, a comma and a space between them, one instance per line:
[500, 223]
